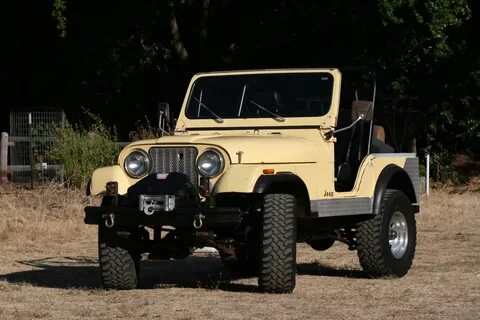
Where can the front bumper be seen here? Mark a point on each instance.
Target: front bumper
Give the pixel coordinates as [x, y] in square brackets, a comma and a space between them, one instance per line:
[161, 200]
[201, 218]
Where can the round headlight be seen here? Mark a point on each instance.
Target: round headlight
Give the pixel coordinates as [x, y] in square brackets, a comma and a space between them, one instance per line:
[137, 163]
[210, 163]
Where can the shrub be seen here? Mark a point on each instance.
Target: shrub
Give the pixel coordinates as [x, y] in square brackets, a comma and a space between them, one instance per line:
[144, 131]
[82, 149]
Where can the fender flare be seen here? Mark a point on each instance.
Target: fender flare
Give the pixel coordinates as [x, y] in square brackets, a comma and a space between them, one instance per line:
[285, 182]
[395, 177]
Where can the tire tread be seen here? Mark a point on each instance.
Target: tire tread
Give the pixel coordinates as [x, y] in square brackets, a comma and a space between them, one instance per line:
[118, 267]
[278, 265]
[370, 251]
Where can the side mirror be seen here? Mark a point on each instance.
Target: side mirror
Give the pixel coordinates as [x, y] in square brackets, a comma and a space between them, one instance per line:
[361, 110]
[330, 133]
[164, 118]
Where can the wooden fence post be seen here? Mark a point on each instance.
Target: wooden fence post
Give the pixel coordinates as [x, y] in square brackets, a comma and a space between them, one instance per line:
[4, 158]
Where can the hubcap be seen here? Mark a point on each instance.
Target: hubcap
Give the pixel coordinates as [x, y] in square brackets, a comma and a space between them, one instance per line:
[398, 235]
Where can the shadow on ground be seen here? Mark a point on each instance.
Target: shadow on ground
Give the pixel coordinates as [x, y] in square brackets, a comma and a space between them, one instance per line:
[318, 269]
[193, 272]
[83, 273]
[57, 272]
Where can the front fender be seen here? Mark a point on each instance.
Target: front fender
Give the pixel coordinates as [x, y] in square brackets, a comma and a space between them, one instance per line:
[243, 178]
[101, 176]
[238, 178]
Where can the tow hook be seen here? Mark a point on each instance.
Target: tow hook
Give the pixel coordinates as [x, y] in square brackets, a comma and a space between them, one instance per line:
[198, 221]
[112, 190]
[110, 220]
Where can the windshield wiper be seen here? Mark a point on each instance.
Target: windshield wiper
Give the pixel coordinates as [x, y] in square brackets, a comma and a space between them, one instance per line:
[275, 116]
[217, 117]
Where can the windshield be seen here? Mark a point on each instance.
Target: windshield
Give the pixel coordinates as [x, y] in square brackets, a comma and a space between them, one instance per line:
[260, 96]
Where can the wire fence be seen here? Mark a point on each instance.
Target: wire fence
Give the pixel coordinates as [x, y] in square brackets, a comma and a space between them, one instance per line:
[31, 137]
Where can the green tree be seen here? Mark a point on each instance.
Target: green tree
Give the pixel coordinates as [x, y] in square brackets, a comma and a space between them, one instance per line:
[127, 55]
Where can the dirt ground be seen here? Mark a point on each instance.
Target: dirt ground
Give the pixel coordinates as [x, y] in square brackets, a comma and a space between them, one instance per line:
[48, 269]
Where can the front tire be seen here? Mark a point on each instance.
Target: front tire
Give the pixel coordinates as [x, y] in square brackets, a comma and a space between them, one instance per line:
[386, 243]
[278, 244]
[119, 266]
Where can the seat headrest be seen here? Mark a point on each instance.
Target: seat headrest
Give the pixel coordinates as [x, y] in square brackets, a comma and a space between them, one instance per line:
[362, 107]
[379, 133]
[278, 99]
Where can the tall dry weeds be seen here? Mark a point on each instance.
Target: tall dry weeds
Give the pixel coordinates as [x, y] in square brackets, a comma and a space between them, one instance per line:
[49, 213]
[52, 212]
[450, 211]
[52, 215]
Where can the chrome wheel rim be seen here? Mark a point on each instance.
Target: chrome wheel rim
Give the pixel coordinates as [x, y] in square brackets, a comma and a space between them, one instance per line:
[398, 234]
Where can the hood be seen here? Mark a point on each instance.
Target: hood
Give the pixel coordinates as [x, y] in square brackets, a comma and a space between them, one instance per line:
[253, 148]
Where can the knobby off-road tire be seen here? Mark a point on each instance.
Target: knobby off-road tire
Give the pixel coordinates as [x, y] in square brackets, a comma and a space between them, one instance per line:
[386, 243]
[119, 267]
[278, 244]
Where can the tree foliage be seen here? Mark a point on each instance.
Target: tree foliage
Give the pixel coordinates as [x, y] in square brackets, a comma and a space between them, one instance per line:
[122, 57]
[58, 12]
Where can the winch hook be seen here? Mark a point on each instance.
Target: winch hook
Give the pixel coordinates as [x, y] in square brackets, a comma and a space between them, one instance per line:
[198, 221]
[149, 209]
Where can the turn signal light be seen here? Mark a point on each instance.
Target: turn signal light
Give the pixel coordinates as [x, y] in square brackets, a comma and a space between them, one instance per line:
[268, 171]
[204, 187]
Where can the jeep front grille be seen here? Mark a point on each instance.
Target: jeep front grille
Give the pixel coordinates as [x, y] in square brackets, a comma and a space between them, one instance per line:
[175, 159]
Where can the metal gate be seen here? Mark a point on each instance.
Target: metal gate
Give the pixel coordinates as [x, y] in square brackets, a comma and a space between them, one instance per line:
[31, 137]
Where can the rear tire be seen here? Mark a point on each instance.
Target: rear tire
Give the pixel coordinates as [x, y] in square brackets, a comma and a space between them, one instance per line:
[119, 266]
[386, 243]
[278, 244]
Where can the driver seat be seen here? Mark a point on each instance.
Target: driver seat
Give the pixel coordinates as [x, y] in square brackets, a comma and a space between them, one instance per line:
[357, 146]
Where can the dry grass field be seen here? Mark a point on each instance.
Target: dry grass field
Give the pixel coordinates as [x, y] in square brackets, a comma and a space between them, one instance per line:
[48, 269]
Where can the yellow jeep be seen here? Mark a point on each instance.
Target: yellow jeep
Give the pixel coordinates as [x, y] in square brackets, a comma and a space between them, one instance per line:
[260, 160]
